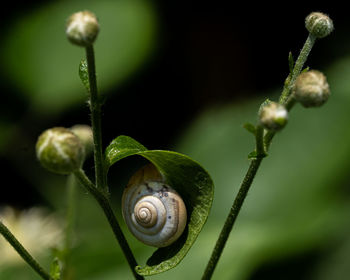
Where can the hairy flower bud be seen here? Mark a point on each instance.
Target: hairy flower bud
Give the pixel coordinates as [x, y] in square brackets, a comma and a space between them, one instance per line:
[273, 116]
[319, 24]
[82, 28]
[84, 134]
[60, 150]
[311, 89]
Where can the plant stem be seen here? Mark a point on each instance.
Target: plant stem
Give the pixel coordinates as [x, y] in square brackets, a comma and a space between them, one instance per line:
[100, 191]
[103, 201]
[95, 108]
[298, 66]
[23, 252]
[231, 218]
[260, 149]
[288, 101]
[262, 145]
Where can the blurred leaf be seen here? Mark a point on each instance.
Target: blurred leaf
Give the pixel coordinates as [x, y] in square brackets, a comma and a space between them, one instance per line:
[24, 272]
[40, 61]
[189, 179]
[335, 265]
[55, 270]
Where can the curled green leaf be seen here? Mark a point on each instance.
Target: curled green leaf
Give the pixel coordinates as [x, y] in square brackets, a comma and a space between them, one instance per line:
[189, 179]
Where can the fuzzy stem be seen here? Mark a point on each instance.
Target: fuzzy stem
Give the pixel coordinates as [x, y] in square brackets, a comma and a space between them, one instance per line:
[260, 149]
[100, 191]
[304, 53]
[6, 233]
[95, 108]
[231, 218]
[103, 201]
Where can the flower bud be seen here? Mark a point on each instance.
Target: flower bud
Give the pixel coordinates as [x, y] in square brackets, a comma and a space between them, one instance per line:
[311, 89]
[319, 24]
[84, 134]
[82, 28]
[273, 116]
[60, 150]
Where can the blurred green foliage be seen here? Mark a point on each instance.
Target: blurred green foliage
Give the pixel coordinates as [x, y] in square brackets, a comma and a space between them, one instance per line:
[43, 65]
[298, 202]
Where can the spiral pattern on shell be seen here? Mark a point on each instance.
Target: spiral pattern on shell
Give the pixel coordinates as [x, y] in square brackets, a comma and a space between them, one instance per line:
[153, 211]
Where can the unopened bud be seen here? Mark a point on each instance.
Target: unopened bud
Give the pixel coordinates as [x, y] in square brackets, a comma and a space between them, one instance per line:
[82, 28]
[60, 150]
[311, 89]
[273, 116]
[84, 133]
[319, 24]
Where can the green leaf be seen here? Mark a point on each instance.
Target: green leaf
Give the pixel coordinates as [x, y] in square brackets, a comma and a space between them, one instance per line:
[250, 127]
[121, 147]
[37, 58]
[305, 69]
[55, 270]
[84, 74]
[189, 179]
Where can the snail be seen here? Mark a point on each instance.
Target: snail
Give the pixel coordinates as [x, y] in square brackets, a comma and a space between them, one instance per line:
[153, 211]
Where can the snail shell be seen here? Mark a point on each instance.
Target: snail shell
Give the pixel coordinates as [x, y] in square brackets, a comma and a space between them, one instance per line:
[153, 211]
